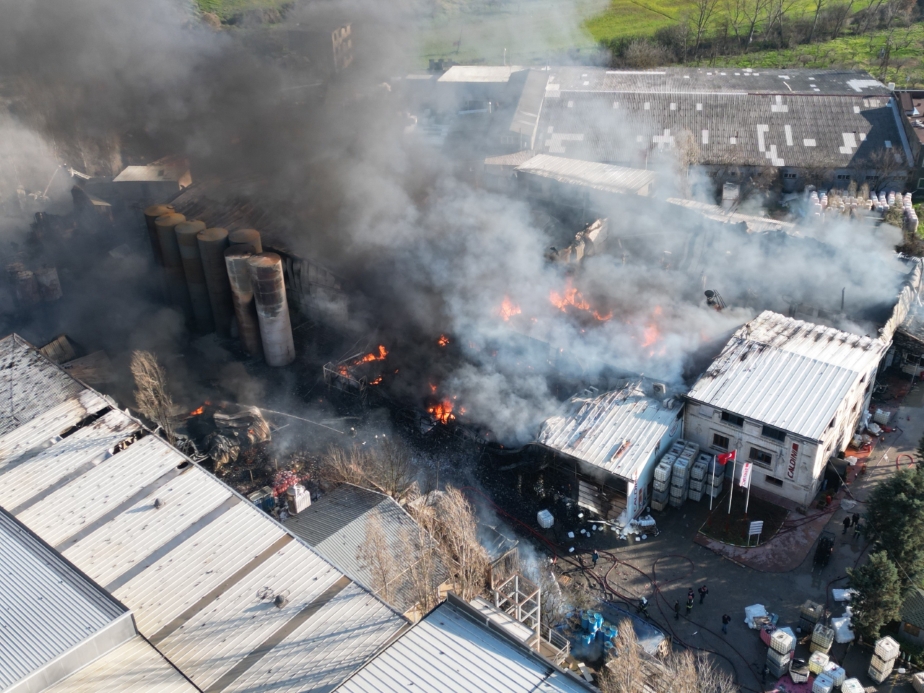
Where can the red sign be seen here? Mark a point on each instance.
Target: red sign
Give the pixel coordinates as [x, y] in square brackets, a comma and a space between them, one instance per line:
[793, 456]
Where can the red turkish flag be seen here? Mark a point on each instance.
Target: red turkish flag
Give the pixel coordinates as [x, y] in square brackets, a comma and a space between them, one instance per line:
[726, 457]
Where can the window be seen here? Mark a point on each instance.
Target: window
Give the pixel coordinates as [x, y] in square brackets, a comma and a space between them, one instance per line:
[843, 176]
[920, 183]
[733, 419]
[719, 441]
[760, 457]
[772, 480]
[913, 631]
[774, 433]
[790, 176]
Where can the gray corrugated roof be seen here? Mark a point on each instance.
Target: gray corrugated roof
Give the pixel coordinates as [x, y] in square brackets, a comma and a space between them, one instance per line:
[617, 431]
[726, 129]
[449, 653]
[703, 79]
[46, 607]
[201, 571]
[337, 526]
[787, 373]
[605, 177]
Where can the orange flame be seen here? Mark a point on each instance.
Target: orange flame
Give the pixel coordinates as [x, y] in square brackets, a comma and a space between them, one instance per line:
[442, 411]
[508, 309]
[443, 340]
[376, 381]
[572, 298]
[368, 358]
[196, 412]
[651, 335]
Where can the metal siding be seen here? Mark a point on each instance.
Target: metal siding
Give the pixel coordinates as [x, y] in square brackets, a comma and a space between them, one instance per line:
[339, 638]
[134, 666]
[45, 608]
[89, 444]
[182, 577]
[605, 177]
[787, 373]
[136, 533]
[213, 640]
[446, 652]
[90, 496]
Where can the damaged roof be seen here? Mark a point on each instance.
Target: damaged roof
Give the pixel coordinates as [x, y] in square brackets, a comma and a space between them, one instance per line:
[787, 373]
[201, 569]
[589, 174]
[618, 431]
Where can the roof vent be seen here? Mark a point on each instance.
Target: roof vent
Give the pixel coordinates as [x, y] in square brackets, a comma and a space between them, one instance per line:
[659, 388]
[280, 601]
[158, 503]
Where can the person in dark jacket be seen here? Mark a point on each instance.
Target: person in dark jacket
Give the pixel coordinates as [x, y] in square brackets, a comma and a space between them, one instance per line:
[595, 557]
[690, 603]
[846, 524]
[703, 591]
[726, 619]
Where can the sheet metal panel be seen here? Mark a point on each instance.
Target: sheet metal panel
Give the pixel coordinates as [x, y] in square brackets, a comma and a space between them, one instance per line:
[45, 607]
[446, 652]
[617, 431]
[605, 177]
[136, 533]
[23, 480]
[787, 373]
[95, 493]
[339, 638]
[45, 426]
[30, 384]
[134, 666]
[213, 640]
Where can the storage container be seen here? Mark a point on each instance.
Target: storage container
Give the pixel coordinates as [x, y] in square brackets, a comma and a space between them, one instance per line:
[823, 635]
[811, 611]
[818, 647]
[918, 682]
[697, 485]
[545, 519]
[880, 664]
[879, 676]
[781, 641]
[887, 648]
[852, 686]
[823, 684]
[658, 506]
[778, 671]
[694, 496]
[837, 674]
[661, 485]
[817, 662]
[779, 658]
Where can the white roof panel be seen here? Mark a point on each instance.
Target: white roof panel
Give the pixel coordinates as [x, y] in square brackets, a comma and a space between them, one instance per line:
[787, 373]
[605, 177]
[450, 653]
[134, 666]
[618, 431]
[479, 73]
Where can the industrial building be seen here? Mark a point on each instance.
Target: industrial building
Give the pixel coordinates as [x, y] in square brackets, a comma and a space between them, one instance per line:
[227, 595]
[608, 445]
[338, 524]
[787, 396]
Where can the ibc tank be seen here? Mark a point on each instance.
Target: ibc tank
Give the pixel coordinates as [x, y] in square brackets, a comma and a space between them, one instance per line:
[269, 293]
[186, 233]
[245, 310]
[212, 245]
[177, 293]
[246, 237]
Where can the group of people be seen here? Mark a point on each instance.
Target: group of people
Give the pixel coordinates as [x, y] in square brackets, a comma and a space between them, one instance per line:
[854, 521]
[691, 597]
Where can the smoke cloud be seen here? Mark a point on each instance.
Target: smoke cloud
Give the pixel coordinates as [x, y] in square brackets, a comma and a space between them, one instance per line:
[425, 250]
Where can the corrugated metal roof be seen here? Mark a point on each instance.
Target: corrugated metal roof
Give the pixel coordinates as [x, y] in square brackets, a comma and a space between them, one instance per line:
[134, 666]
[606, 177]
[337, 525]
[449, 653]
[720, 80]
[617, 431]
[787, 373]
[24, 398]
[754, 224]
[479, 73]
[46, 607]
[199, 572]
[722, 128]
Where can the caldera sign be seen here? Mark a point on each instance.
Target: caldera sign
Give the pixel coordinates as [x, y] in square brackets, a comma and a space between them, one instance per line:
[793, 456]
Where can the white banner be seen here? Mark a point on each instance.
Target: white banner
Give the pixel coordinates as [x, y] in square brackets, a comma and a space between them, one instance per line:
[745, 475]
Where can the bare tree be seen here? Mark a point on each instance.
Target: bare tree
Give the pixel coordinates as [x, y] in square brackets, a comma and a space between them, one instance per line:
[819, 4]
[344, 465]
[701, 15]
[392, 470]
[754, 11]
[151, 396]
[424, 571]
[376, 556]
[644, 53]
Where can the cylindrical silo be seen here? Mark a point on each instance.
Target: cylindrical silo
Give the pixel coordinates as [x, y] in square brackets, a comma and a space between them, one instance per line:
[177, 293]
[245, 310]
[150, 214]
[246, 236]
[269, 292]
[186, 233]
[212, 245]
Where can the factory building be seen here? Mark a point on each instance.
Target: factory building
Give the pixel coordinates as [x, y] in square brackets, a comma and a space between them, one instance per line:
[607, 445]
[787, 396]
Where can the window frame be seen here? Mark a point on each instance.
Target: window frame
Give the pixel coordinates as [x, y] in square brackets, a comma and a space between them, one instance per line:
[732, 419]
[756, 460]
[719, 446]
[780, 439]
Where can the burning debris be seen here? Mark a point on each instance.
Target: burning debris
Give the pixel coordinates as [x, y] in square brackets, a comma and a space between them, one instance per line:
[353, 374]
[570, 298]
[225, 430]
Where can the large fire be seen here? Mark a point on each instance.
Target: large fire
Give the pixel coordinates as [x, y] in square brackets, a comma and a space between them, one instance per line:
[443, 340]
[442, 411]
[572, 298]
[380, 356]
[200, 410]
[651, 334]
[508, 309]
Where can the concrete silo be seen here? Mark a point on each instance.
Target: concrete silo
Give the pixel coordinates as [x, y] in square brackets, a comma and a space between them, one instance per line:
[212, 245]
[177, 293]
[249, 237]
[186, 233]
[245, 310]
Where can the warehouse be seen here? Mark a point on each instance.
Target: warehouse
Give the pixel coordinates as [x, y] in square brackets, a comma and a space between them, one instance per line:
[607, 445]
[787, 396]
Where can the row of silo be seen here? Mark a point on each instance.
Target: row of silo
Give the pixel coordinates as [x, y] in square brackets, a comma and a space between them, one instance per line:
[210, 273]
